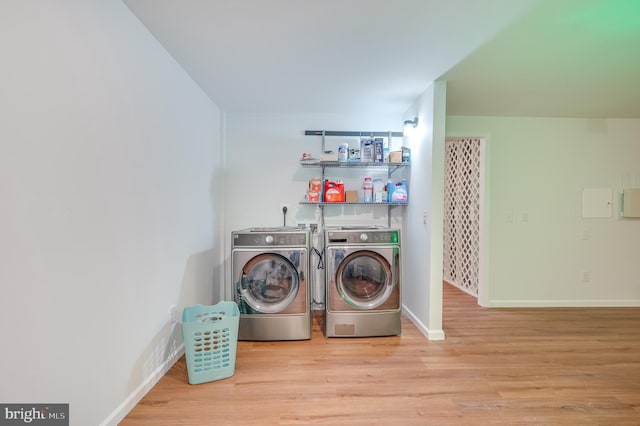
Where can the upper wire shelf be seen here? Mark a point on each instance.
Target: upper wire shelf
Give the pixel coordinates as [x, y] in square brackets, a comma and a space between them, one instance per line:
[351, 133]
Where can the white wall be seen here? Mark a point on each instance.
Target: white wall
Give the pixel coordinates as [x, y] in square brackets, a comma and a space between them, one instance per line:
[538, 168]
[423, 238]
[110, 187]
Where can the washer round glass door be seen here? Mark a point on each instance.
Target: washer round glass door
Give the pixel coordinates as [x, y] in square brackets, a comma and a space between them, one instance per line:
[364, 279]
[269, 283]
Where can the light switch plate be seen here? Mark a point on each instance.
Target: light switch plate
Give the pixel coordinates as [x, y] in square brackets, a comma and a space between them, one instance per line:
[631, 202]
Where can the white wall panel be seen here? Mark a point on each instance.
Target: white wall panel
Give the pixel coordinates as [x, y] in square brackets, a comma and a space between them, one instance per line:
[540, 244]
[110, 184]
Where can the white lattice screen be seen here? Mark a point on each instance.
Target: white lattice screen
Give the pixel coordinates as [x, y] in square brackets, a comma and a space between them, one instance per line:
[462, 213]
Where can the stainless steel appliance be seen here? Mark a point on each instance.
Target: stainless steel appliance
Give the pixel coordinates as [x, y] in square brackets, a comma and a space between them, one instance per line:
[363, 291]
[270, 268]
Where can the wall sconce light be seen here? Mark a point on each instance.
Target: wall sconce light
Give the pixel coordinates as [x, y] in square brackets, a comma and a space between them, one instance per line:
[409, 125]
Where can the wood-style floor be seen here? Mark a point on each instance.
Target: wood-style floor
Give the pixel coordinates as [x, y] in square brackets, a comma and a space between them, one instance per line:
[539, 366]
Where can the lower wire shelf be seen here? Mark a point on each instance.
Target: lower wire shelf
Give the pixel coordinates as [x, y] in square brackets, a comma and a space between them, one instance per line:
[319, 203]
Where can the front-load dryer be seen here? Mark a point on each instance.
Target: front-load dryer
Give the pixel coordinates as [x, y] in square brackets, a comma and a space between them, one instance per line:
[363, 291]
[270, 268]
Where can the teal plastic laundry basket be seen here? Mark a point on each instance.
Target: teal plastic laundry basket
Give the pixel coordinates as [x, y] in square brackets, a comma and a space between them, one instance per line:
[210, 339]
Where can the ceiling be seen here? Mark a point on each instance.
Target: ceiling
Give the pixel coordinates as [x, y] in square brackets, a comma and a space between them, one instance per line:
[566, 58]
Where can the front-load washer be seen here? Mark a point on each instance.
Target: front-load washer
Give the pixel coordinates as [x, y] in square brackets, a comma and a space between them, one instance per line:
[270, 268]
[363, 291]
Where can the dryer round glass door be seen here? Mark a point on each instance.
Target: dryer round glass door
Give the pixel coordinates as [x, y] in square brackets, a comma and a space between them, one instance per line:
[364, 279]
[269, 283]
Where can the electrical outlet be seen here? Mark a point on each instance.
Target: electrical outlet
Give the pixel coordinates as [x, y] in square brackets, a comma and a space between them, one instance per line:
[585, 276]
[284, 206]
[173, 314]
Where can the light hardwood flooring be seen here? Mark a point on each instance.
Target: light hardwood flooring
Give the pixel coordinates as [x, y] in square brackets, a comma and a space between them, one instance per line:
[538, 366]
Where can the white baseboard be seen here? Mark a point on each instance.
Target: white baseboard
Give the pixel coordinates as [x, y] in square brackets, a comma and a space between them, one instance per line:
[429, 334]
[134, 397]
[562, 304]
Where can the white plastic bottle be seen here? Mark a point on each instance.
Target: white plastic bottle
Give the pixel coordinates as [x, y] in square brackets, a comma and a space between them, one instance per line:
[367, 188]
[343, 152]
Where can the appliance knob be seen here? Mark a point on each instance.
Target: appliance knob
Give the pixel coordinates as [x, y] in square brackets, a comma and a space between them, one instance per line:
[268, 239]
[364, 237]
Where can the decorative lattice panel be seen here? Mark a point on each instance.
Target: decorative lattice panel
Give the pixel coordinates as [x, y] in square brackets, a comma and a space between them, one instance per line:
[462, 213]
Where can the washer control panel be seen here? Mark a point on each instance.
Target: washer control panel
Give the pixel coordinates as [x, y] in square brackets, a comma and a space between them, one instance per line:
[270, 239]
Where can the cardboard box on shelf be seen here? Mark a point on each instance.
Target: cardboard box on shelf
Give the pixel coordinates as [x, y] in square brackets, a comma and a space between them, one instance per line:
[351, 196]
[395, 157]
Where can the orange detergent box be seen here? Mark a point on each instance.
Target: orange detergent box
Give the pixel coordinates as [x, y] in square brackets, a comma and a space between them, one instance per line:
[315, 184]
[333, 192]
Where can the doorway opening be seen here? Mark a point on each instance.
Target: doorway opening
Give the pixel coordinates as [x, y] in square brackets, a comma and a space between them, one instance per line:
[463, 213]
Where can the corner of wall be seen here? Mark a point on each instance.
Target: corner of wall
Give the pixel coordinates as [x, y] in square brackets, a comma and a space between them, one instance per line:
[138, 393]
[429, 334]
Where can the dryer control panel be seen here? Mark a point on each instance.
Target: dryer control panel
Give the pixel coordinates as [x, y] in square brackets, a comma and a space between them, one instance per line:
[378, 236]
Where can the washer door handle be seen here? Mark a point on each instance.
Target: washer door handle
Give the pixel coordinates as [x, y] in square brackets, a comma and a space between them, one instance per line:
[243, 282]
